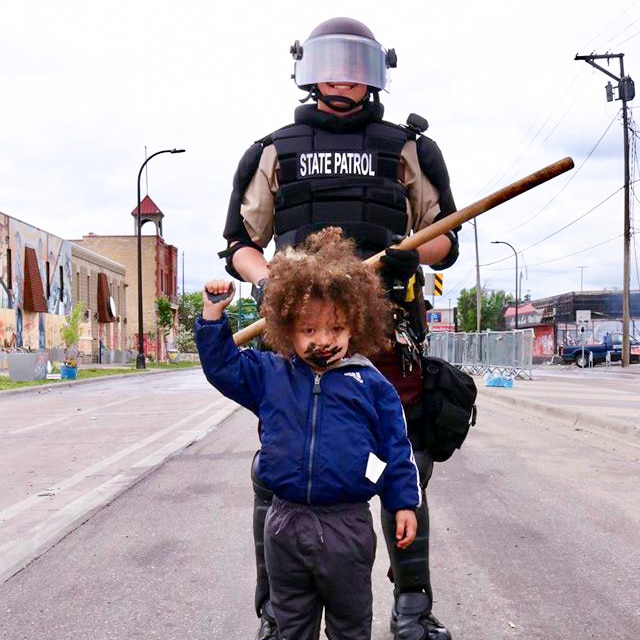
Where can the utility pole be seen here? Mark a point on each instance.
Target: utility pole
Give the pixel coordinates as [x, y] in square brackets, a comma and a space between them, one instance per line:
[626, 92]
[582, 268]
[478, 289]
[183, 279]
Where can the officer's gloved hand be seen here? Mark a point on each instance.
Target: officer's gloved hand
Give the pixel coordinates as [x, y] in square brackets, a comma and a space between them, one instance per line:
[257, 292]
[398, 265]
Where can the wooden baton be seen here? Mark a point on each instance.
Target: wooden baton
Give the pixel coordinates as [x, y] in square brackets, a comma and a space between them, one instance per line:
[445, 224]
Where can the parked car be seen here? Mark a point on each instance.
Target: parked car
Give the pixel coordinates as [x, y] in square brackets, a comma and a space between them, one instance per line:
[597, 353]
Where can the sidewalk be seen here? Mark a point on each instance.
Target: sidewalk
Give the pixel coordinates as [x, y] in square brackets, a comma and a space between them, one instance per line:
[601, 397]
[128, 370]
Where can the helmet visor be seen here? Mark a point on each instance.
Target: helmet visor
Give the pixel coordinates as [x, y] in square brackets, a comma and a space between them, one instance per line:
[342, 58]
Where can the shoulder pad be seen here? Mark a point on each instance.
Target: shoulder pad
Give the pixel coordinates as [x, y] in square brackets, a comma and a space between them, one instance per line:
[417, 123]
[268, 139]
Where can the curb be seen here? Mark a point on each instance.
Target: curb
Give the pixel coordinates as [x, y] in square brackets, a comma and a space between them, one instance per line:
[39, 388]
[576, 419]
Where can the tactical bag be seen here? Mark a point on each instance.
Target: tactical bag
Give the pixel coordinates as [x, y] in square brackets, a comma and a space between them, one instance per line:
[449, 409]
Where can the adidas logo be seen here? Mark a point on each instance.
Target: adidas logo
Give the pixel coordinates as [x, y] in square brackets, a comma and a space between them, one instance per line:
[355, 375]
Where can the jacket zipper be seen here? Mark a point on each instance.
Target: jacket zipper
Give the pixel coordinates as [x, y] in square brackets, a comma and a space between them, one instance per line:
[312, 443]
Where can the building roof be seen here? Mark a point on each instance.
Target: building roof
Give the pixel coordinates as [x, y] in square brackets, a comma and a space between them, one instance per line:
[524, 308]
[79, 251]
[147, 208]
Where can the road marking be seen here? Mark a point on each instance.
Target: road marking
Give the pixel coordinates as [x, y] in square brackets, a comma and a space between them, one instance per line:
[48, 423]
[58, 488]
[24, 548]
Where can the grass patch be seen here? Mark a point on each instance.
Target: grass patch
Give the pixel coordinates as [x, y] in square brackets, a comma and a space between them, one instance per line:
[171, 365]
[86, 373]
[6, 384]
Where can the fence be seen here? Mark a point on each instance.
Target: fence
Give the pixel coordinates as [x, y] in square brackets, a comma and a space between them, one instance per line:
[506, 352]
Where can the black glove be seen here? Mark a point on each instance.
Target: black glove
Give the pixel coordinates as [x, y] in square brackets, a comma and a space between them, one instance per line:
[257, 292]
[398, 265]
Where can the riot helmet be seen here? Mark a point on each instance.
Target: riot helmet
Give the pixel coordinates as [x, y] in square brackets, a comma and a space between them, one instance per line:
[341, 50]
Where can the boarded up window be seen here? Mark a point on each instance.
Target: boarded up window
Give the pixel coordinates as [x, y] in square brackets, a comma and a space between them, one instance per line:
[106, 306]
[34, 299]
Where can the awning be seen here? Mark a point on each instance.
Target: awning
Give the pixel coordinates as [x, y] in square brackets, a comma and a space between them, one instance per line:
[34, 299]
[106, 304]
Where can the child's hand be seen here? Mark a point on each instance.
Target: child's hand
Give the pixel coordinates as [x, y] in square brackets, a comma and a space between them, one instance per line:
[406, 527]
[213, 310]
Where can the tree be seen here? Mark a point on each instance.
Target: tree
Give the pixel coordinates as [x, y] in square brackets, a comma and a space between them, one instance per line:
[164, 317]
[492, 308]
[190, 307]
[241, 313]
[70, 334]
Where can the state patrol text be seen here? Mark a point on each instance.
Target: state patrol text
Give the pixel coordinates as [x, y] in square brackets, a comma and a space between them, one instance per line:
[329, 163]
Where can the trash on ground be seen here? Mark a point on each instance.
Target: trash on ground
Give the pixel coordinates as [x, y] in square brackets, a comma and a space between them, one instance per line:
[498, 380]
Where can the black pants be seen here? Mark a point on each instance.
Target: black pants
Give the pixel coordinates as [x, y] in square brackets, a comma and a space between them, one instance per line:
[409, 567]
[320, 557]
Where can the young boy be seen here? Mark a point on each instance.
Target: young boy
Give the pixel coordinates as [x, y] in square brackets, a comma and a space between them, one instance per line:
[333, 431]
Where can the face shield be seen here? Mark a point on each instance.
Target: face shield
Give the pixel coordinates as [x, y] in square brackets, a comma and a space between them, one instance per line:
[342, 58]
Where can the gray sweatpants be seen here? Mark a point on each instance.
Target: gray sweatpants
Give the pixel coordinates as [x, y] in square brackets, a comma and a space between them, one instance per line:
[320, 557]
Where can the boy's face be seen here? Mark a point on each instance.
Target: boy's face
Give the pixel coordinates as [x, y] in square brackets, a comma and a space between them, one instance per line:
[321, 335]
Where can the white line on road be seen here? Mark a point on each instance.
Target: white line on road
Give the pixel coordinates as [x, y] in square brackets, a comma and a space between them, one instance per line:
[48, 423]
[20, 551]
[95, 468]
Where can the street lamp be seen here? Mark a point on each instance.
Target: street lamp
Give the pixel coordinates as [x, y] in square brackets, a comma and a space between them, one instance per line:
[515, 253]
[140, 360]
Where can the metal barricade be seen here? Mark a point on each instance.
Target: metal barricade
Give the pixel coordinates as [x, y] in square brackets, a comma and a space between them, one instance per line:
[505, 352]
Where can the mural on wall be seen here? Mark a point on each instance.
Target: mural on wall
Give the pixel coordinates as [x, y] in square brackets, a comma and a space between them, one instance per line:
[17, 270]
[5, 300]
[8, 334]
[59, 257]
[30, 329]
[543, 341]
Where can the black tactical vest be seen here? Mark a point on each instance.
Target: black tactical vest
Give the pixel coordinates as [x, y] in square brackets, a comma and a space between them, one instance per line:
[346, 179]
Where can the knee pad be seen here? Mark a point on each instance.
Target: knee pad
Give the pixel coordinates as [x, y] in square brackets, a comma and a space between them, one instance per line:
[410, 566]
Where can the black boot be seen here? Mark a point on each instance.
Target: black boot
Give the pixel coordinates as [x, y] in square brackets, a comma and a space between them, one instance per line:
[268, 629]
[411, 619]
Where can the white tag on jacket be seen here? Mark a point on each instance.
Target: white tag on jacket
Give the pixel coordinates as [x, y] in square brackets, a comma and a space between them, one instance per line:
[375, 467]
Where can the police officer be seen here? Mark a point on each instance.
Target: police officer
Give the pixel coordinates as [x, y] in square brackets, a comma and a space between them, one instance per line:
[340, 164]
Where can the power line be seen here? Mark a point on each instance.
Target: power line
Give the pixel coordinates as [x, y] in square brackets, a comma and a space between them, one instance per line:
[564, 186]
[575, 253]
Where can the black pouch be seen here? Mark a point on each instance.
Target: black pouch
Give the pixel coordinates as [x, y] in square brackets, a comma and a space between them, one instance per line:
[448, 406]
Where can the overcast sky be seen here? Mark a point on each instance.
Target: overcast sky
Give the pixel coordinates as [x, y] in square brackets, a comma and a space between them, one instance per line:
[87, 86]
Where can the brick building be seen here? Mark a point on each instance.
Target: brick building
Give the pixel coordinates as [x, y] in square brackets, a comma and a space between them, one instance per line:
[159, 277]
[100, 284]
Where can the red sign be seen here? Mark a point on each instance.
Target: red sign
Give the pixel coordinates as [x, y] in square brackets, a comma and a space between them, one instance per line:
[435, 328]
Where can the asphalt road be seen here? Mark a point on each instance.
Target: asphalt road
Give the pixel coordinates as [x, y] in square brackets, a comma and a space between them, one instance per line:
[534, 525]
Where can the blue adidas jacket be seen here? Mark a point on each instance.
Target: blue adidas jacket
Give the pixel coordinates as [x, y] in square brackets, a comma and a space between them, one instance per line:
[318, 431]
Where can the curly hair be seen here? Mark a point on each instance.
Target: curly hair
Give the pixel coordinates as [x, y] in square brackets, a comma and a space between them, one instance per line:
[325, 268]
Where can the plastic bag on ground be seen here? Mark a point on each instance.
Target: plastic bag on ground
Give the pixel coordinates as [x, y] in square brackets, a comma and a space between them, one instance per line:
[498, 380]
